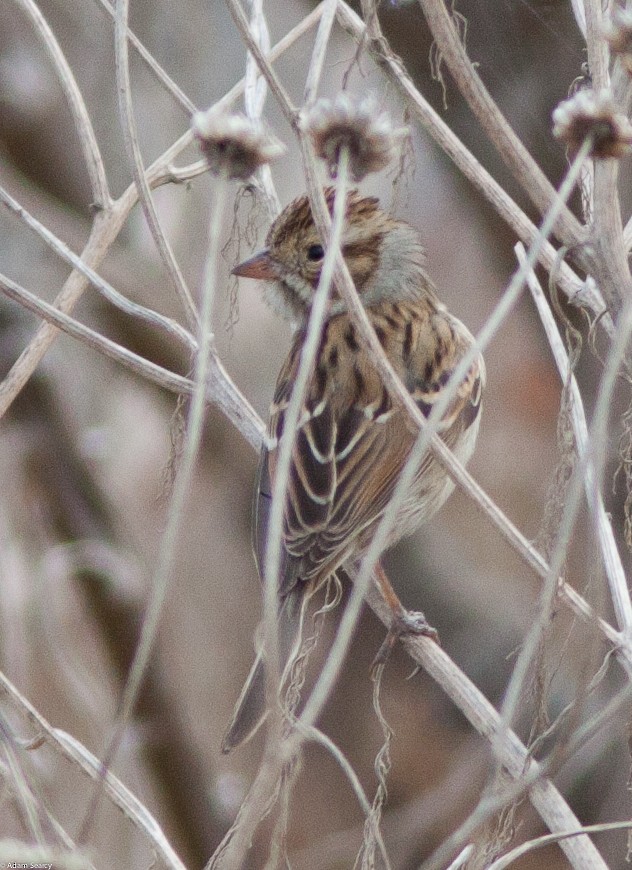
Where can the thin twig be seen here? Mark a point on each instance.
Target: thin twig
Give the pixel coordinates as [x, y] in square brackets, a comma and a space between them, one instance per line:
[317, 736]
[72, 750]
[522, 165]
[491, 804]
[548, 839]
[317, 59]
[222, 391]
[263, 62]
[152, 318]
[176, 512]
[610, 269]
[130, 135]
[91, 153]
[595, 454]
[611, 557]
[543, 795]
[434, 125]
[163, 77]
[132, 361]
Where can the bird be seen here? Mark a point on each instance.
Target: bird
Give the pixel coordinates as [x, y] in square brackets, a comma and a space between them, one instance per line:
[352, 440]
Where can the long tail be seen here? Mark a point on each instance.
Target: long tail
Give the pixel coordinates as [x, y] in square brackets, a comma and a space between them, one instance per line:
[250, 709]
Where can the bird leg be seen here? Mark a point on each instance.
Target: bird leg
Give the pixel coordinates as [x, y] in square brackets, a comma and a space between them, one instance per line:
[404, 621]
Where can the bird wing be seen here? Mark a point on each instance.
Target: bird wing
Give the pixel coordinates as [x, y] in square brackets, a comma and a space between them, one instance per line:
[352, 443]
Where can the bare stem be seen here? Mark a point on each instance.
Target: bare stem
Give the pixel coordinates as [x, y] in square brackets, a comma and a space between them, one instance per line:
[130, 135]
[434, 125]
[610, 553]
[523, 167]
[91, 153]
[73, 751]
[176, 513]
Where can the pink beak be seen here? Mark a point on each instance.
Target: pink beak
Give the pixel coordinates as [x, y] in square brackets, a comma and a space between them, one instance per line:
[260, 266]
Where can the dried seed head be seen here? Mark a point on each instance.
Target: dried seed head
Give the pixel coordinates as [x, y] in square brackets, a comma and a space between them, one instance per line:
[618, 32]
[593, 113]
[233, 145]
[369, 136]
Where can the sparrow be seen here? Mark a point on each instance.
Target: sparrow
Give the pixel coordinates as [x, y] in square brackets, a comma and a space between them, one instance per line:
[352, 440]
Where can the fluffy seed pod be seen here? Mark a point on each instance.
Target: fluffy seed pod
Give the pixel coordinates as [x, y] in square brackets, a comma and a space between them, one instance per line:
[591, 113]
[233, 145]
[368, 135]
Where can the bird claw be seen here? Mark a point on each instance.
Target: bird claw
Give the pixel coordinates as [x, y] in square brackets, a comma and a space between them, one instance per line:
[408, 622]
[413, 622]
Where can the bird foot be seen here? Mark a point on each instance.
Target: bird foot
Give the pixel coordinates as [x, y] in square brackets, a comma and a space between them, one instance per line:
[407, 622]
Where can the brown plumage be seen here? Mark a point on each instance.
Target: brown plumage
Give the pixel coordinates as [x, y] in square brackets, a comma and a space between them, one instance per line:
[352, 442]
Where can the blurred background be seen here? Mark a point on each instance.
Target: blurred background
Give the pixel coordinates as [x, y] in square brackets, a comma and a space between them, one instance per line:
[85, 449]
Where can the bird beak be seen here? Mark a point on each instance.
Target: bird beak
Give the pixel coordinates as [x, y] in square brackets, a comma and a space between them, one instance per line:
[260, 266]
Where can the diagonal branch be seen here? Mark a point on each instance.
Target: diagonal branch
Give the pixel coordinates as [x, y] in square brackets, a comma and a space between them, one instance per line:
[503, 204]
[92, 155]
[610, 553]
[130, 135]
[522, 165]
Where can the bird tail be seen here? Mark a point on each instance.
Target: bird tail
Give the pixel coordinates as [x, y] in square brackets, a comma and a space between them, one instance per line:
[250, 709]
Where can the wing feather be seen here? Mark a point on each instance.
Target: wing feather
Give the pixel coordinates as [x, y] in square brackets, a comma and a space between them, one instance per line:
[349, 431]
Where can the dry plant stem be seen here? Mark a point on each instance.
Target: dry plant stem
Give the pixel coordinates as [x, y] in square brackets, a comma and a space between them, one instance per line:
[144, 314]
[31, 810]
[595, 454]
[610, 265]
[256, 86]
[610, 268]
[70, 749]
[580, 15]
[309, 350]
[523, 167]
[241, 22]
[482, 715]
[130, 135]
[548, 839]
[104, 231]
[221, 389]
[176, 512]
[106, 228]
[610, 553]
[87, 139]
[317, 736]
[317, 59]
[567, 280]
[231, 852]
[153, 65]
[133, 362]
[255, 93]
[462, 858]
[596, 45]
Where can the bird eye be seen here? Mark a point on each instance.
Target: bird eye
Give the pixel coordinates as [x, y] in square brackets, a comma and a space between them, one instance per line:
[315, 252]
